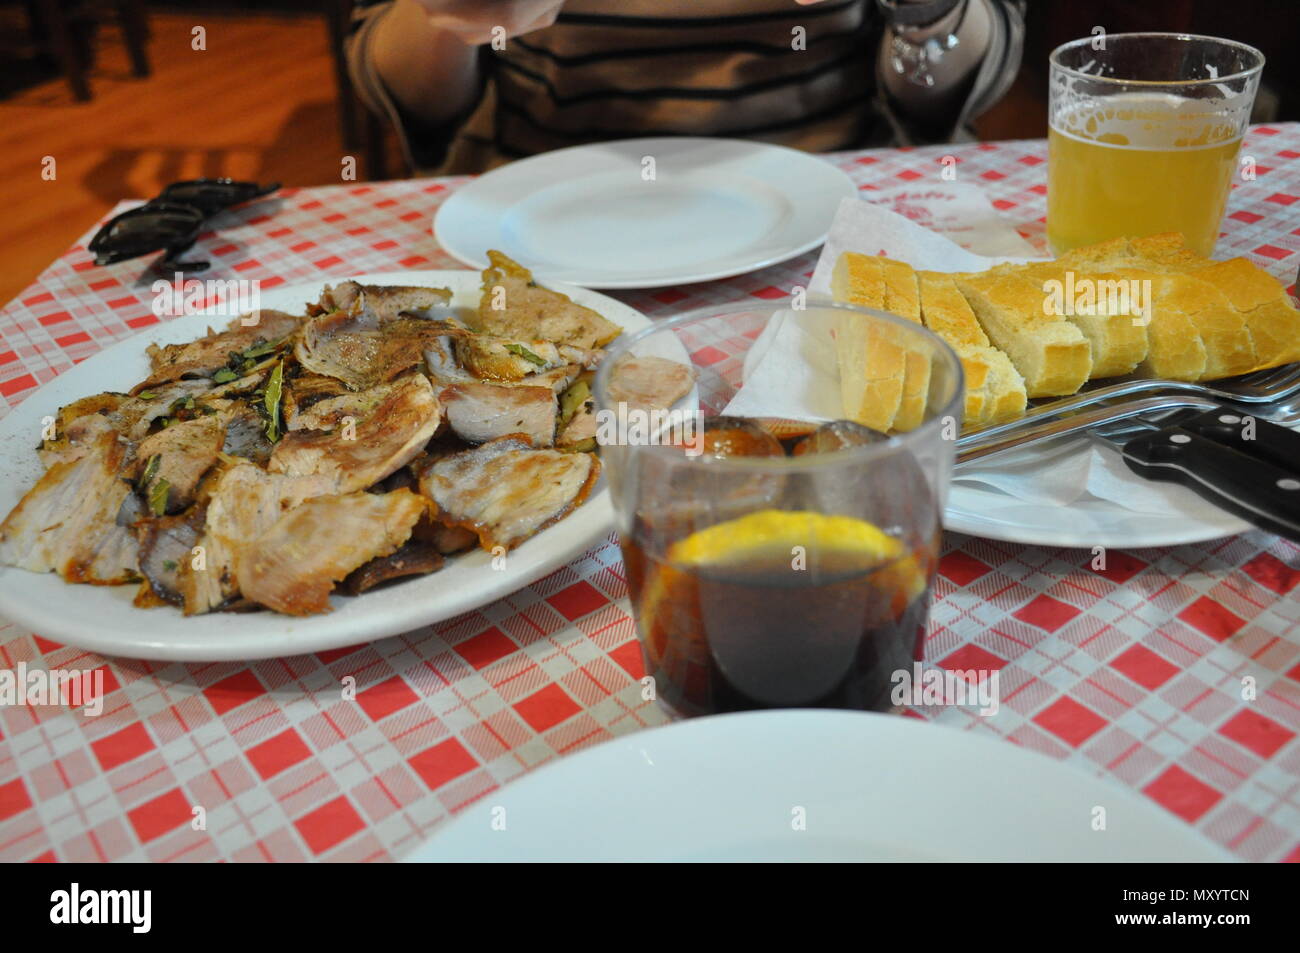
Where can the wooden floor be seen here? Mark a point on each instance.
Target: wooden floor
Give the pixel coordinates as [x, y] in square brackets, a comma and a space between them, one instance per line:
[258, 104]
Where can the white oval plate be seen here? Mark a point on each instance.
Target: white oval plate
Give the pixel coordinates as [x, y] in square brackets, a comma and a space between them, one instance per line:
[102, 619]
[592, 215]
[867, 788]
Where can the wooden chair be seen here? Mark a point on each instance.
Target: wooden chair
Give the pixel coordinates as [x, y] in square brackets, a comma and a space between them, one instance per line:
[359, 126]
[54, 18]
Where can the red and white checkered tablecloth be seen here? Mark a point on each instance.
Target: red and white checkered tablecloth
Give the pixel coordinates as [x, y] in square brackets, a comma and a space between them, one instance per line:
[1133, 673]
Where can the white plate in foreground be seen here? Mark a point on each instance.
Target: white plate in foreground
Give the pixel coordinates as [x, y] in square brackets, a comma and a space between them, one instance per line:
[102, 619]
[868, 787]
[647, 213]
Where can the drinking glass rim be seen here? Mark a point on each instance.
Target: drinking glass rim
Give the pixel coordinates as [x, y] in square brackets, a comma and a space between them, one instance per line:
[1053, 60]
[848, 455]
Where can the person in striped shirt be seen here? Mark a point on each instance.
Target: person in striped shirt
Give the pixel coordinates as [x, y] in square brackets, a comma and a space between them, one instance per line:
[471, 84]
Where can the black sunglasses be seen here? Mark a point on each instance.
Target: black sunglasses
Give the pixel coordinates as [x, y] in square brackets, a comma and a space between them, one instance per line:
[171, 221]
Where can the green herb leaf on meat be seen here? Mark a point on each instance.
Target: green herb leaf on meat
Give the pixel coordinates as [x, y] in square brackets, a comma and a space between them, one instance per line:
[224, 376]
[150, 468]
[271, 402]
[526, 354]
[570, 402]
[258, 349]
[158, 497]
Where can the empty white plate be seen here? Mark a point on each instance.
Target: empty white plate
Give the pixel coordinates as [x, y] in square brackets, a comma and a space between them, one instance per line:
[646, 213]
[813, 786]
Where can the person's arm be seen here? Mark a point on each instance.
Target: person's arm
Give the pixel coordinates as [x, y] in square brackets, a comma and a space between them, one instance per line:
[416, 62]
[940, 74]
[432, 73]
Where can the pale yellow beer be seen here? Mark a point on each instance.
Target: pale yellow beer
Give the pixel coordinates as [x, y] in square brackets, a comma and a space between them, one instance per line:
[1144, 165]
[1144, 135]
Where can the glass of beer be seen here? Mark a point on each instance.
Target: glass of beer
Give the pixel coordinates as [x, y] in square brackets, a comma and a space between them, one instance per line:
[1144, 134]
[775, 557]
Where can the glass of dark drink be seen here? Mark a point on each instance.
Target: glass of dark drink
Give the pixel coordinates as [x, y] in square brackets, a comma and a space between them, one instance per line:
[781, 557]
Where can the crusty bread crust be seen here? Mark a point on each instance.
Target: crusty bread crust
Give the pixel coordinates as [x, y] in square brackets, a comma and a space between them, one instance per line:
[1050, 353]
[1199, 320]
[871, 367]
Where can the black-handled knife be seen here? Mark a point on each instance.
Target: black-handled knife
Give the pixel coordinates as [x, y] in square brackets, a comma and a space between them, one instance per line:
[1245, 484]
[1251, 435]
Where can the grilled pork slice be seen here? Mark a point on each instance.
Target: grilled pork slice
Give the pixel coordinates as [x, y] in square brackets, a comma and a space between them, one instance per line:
[245, 432]
[245, 502]
[411, 559]
[581, 426]
[166, 544]
[443, 539]
[304, 391]
[293, 565]
[516, 307]
[185, 451]
[76, 423]
[74, 441]
[505, 491]
[352, 349]
[445, 369]
[353, 458]
[384, 302]
[557, 380]
[328, 412]
[501, 359]
[480, 411]
[68, 522]
[649, 383]
[207, 355]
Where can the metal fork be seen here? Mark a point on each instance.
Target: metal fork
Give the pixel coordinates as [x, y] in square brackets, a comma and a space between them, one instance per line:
[1124, 430]
[1266, 394]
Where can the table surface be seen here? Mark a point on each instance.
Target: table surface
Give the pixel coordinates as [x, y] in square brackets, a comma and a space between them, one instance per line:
[1133, 673]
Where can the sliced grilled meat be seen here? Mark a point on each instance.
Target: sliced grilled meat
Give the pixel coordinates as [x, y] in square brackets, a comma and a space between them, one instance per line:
[292, 566]
[397, 430]
[480, 411]
[245, 501]
[523, 309]
[207, 355]
[411, 559]
[68, 522]
[166, 544]
[649, 383]
[505, 491]
[185, 451]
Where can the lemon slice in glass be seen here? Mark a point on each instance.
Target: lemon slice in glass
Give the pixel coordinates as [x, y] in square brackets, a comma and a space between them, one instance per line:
[774, 533]
[769, 535]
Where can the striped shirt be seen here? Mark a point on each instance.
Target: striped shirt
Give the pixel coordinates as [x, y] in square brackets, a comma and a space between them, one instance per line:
[802, 76]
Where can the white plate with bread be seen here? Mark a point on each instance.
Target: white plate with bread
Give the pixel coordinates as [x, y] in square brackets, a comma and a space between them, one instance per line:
[1030, 332]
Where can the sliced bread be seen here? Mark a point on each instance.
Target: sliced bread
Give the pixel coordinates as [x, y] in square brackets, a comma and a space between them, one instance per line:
[871, 366]
[1264, 305]
[1051, 354]
[903, 298]
[1108, 308]
[1226, 337]
[995, 392]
